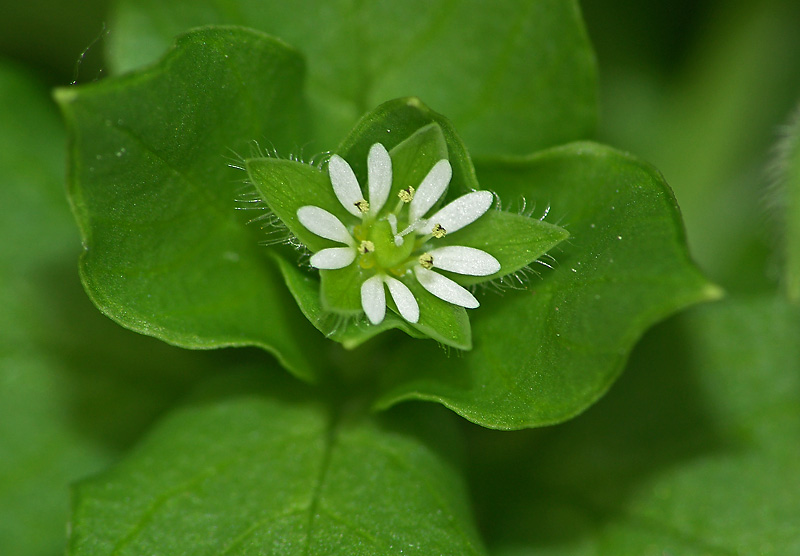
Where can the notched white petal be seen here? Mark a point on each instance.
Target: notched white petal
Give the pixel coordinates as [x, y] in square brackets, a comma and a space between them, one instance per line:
[430, 190]
[464, 260]
[463, 211]
[324, 224]
[345, 185]
[333, 258]
[404, 299]
[444, 288]
[373, 299]
[379, 176]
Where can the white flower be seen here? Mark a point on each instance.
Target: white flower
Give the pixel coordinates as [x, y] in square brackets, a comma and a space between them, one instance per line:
[385, 254]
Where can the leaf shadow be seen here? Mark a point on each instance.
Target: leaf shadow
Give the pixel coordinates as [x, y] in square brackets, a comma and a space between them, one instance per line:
[545, 487]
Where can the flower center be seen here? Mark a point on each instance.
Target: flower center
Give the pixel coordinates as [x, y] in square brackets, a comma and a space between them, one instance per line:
[386, 252]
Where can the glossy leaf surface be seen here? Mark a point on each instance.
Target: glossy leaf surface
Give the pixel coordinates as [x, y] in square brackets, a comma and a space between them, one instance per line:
[544, 354]
[514, 77]
[166, 253]
[255, 466]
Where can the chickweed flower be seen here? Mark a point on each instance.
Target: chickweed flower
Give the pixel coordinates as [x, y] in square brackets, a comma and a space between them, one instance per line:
[400, 242]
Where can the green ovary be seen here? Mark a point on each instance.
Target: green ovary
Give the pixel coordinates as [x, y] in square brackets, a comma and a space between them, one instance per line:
[387, 255]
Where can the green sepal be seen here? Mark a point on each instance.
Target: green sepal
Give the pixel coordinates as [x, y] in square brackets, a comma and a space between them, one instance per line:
[287, 185]
[350, 332]
[513, 239]
[444, 322]
[398, 120]
[413, 158]
[340, 290]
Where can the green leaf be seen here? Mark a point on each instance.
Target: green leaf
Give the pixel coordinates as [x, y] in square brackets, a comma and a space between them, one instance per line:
[695, 452]
[165, 253]
[545, 354]
[513, 77]
[254, 467]
[74, 387]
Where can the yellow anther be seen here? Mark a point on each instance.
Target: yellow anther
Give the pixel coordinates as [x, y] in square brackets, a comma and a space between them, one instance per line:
[426, 261]
[438, 231]
[407, 194]
[366, 247]
[362, 205]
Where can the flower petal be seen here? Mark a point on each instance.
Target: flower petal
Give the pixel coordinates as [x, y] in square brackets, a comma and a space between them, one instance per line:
[444, 288]
[465, 260]
[322, 223]
[430, 190]
[403, 298]
[345, 185]
[379, 176]
[373, 299]
[461, 212]
[333, 258]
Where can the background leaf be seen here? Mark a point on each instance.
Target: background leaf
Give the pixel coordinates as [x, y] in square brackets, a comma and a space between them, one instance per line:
[165, 252]
[254, 465]
[536, 73]
[696, 451]
[545, 354]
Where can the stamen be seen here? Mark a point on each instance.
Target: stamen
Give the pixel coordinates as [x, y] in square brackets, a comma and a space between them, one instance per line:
[366, 247]
[406, 195]
[362, 205]
[438, 231]
[426, 261]
[410, 228]
[392, 219]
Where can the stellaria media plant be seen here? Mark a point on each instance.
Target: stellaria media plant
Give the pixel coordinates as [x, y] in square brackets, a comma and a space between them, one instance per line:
[378, 304]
